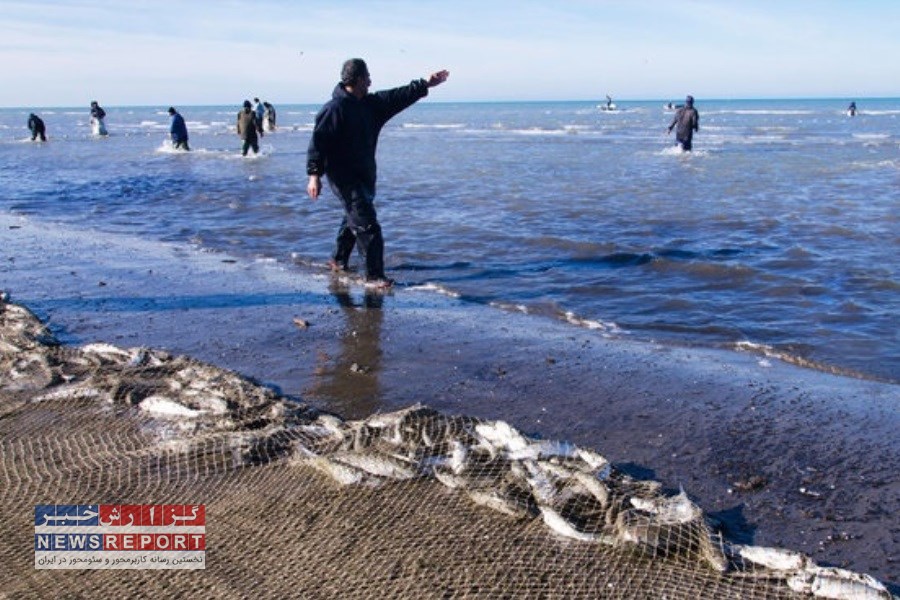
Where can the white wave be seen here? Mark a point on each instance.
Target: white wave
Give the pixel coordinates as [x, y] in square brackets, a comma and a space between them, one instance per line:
[147, 125]
[538, 131]
[764, 138]
[432, 126]
[871, 136]
[762, 111]
[166, 147]
[433, 287]
[606, 328]
[675, 150]
[510, 307]
[774, 128]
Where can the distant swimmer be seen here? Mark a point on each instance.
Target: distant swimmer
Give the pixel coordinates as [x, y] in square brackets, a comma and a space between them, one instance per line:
[178, 130]
[688, 121]
[268, 117]
[98, 127]
[37, 128]
[342, 147]
[249, 128]
[851, 110]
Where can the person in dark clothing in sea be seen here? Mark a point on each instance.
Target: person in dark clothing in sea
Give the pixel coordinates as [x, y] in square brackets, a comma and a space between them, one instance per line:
[269, 115]
[178, 130]
[851, 110]
[688, 121]
[342, 147]
[97, 111]
[249, 128]
[98, 126]
[37, 128]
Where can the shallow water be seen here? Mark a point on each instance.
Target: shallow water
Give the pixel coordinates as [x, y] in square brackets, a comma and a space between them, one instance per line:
[779, 232]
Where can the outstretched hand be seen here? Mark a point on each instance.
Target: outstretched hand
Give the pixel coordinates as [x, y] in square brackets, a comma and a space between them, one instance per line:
[437, 78]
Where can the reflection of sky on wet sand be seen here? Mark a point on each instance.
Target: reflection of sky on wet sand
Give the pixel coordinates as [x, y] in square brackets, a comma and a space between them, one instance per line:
[349, 381]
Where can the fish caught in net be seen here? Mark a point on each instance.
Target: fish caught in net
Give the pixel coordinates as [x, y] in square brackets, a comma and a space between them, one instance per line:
[302, 503]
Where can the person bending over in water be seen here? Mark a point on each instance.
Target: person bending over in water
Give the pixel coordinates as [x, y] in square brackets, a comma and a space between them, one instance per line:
[37, 128]
[688, 121]
[97, 115]
[269, 117]
[342, 147]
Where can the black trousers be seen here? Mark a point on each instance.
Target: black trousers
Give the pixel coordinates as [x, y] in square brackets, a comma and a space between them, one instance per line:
[251, 141]
[359, 228]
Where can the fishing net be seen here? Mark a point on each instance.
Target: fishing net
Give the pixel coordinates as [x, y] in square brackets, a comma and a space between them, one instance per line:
[301, 503]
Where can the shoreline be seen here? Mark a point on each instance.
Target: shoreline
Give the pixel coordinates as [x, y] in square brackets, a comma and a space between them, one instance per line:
[783, 456]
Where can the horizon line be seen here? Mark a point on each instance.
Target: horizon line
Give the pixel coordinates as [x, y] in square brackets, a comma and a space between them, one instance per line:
[507, 101]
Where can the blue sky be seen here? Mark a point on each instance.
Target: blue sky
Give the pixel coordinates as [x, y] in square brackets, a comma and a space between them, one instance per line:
[65, 53]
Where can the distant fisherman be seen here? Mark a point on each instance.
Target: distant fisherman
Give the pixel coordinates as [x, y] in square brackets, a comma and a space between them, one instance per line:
[98, 127]
[178, 130]
[249, 128]
[269, 117]
[342, 147]
[259, 109]
[851, 110]
[36, 127]
[688, 121]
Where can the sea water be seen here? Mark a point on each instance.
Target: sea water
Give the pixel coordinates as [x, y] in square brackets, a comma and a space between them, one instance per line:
[779, 233]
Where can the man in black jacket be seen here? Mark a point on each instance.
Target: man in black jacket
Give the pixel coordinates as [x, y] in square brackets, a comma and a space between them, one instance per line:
[688, 121]
[343, 146]
[178, 130]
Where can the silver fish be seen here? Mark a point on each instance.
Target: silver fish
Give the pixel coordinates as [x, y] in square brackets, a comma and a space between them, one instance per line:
[558, 523]
[376, 465]
[497, 501]
[838, 584]
[776, 559]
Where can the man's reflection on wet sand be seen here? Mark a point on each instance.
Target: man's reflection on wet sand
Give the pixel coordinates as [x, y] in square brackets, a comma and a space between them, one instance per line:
[348, 381]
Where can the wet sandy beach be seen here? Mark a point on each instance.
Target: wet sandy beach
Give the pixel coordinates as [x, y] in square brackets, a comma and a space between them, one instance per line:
[782, 456]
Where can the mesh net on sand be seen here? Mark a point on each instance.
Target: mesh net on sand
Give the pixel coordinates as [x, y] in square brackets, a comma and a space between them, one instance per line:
[300, 503]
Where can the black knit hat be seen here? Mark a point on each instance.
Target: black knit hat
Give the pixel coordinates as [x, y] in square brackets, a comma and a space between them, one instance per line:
[352, 70]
